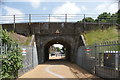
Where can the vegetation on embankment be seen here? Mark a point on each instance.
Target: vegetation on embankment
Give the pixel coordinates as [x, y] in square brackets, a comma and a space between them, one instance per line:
[98, 36]
[20, 39]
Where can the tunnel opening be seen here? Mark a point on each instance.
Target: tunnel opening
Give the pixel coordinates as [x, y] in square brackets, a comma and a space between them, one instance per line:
[56, 50]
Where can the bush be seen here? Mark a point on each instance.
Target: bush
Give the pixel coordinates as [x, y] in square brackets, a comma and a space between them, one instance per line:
[11, 57]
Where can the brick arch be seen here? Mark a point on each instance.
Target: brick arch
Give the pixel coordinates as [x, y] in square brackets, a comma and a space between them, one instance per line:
[60, 41]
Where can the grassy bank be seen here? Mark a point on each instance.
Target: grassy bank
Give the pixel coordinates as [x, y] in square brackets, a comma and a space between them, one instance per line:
[20, 39]
[98, 36]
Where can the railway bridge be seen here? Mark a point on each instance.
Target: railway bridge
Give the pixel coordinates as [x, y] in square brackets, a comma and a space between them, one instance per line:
[48, 33]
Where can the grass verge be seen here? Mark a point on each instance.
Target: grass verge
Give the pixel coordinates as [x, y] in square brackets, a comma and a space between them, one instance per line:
[98, 36]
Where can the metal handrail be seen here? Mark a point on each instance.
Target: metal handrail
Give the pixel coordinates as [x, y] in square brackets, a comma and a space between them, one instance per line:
[45, 18]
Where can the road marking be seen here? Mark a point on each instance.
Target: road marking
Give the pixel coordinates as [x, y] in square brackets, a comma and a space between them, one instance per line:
[59, 76]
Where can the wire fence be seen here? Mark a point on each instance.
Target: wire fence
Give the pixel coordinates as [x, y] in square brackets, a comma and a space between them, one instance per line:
[28, 18]
[29, 57]
[0, 58]
[102, 59]
[5, 52]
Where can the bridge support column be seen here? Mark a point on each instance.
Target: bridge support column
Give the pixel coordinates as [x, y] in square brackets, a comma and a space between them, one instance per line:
[40, 52]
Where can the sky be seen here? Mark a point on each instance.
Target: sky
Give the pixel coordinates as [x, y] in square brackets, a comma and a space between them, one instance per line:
[58, 45]
[88, 7]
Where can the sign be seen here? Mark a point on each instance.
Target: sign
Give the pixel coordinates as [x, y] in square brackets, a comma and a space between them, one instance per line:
[88, 50]
[57, 31]
[23, 51]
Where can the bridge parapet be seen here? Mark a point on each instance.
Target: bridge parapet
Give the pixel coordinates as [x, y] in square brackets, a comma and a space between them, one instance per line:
[53, 27]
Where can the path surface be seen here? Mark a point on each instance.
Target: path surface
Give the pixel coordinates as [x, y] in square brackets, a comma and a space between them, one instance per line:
[58, 70]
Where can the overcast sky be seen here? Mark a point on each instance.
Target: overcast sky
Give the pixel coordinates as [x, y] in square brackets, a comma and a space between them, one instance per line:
[11, 7]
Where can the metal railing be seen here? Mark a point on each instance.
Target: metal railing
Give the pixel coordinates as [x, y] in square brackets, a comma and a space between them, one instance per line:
[0, 58]
[102, 59]
[28, 18]
[29, 60]
[4, 51]
[108, 54]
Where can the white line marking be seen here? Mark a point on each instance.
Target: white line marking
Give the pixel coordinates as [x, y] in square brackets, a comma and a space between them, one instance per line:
[59, 76]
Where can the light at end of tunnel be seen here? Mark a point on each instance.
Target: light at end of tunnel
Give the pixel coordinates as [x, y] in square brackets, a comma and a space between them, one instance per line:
[58, 45]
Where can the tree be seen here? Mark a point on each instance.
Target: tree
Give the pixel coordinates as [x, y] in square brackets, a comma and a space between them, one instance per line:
[118, 18]
[88, 19]
[104, 17]
[114, 17]
[58, 49]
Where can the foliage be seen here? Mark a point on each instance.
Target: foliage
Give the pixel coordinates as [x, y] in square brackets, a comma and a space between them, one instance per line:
[118, 19]
[98, 36]
[20, 39]
[5, 37]
[27, 42]
[107, 17]
[58, 49]
[103, 17]
[11, 58]
[0, 32]
[88, 19]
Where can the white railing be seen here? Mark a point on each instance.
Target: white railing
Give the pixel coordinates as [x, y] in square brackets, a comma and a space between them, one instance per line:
[28, 18]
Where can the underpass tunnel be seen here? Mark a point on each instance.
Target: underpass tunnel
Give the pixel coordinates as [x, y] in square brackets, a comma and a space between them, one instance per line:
[66, 49]
[57, 51]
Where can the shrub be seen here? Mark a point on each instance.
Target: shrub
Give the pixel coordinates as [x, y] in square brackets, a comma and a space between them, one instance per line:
[11, 56]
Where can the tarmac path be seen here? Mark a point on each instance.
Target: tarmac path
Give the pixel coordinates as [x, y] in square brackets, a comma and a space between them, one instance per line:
[58, 70]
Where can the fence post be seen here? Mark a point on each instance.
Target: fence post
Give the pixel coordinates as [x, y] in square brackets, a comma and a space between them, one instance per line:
[29, 19]
[49, 17]
[84, 24]
[95, 52]
[0, 57]
[116, 61]
[116, 55]
[14, 21]
[0, 48]
[112, 21]
[65, 17]
[33, 56]
[98, 22]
